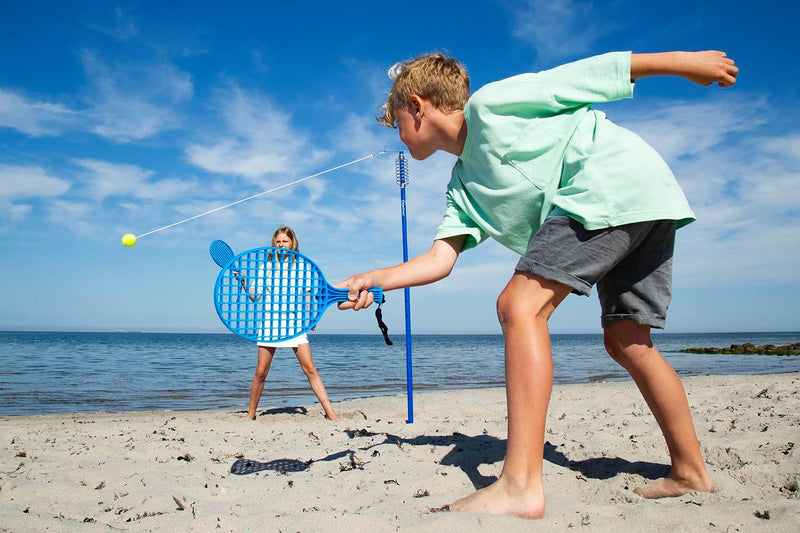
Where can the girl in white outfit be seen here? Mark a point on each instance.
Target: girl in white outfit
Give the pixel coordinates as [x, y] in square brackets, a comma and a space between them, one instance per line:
[284, 237]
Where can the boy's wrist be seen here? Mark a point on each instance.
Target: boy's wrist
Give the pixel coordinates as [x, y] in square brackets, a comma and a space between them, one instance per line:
[661, 63]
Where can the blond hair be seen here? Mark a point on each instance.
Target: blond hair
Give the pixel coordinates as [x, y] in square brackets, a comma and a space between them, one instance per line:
[289, 232]
[435, 77]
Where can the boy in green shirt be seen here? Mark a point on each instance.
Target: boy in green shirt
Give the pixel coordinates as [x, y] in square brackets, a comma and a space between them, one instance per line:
[584, 202]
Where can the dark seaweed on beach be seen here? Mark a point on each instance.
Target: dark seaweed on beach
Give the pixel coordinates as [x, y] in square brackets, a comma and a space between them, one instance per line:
[354, 463]
[145, 514]
[750, 348]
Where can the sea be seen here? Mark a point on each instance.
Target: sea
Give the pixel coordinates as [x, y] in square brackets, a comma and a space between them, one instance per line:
[66, 372]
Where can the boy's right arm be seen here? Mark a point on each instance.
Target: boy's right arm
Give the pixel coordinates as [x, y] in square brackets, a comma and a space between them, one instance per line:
[703, 68]
[433, 265]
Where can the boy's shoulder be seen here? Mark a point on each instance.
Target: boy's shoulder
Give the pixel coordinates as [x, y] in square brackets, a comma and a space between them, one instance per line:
[494, 90]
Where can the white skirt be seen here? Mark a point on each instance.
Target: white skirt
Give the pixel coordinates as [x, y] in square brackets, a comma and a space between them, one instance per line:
[291, 343]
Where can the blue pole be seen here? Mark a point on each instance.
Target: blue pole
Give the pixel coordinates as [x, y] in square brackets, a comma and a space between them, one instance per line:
[401, 168]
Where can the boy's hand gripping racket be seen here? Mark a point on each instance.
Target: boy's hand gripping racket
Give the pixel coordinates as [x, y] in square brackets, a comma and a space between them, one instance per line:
[285, 294]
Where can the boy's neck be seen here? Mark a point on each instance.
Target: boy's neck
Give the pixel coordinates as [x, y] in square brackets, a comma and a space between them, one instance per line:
[454, 130]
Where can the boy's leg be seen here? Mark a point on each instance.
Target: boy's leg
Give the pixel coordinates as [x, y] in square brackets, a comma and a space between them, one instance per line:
[523, 308]
[630, 345]
[634, 296]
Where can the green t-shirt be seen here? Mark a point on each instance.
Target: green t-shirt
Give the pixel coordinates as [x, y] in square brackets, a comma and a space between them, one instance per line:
[535, 148]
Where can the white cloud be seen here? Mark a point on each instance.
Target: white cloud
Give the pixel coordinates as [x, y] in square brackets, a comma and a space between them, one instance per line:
[22, 186]
[123, 103]
[17, 211]
[77, 216]
[679, 129]
[17, 182]
[12, 212]
[258, 139]
[103, 179]
[135, 101]
[34, 118]
[787, 146]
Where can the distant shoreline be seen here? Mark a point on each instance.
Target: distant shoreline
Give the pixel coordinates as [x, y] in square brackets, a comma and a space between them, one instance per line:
[749, 349]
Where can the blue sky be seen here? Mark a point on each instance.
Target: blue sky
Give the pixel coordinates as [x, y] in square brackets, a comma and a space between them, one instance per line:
[128, 116]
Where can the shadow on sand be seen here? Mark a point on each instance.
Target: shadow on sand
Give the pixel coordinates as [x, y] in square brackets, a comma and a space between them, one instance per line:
[466, 452]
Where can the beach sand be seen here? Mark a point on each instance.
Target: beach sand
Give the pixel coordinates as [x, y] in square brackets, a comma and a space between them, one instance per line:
[291, 470]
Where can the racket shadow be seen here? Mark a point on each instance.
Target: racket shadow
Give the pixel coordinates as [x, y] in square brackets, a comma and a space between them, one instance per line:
[294, 410]
[243, 467]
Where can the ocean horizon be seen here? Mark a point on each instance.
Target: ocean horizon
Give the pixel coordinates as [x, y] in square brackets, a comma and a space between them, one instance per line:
[63, 372]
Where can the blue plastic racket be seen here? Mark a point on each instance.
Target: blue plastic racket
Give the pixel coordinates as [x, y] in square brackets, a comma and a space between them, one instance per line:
[284, 296]
[221, 253]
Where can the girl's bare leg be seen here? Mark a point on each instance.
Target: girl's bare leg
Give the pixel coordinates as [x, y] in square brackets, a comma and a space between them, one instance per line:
[262, 369]
[303, 353]
[523, 309]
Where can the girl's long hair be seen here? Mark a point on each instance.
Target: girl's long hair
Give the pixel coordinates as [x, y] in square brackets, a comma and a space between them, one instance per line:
[289, 232]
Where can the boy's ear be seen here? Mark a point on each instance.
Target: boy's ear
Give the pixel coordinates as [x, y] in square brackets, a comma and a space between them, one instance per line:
[416, 105]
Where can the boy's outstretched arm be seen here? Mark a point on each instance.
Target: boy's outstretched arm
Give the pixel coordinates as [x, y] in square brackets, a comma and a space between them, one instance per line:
[703, 68]
[433, 265]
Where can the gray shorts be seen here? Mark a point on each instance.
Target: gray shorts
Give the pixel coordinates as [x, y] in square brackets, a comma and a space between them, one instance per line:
[631, 265]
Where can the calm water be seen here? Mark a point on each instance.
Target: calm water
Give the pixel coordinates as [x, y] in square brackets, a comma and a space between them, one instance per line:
[85, 372]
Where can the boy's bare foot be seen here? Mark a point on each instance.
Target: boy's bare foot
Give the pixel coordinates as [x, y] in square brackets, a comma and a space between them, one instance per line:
[503, 498]
[332, 417]
[669, 487]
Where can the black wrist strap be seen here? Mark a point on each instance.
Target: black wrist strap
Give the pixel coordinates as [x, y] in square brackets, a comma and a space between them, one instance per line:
[381, 324]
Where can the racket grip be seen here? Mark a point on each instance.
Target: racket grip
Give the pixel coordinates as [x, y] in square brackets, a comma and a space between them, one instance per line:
[377, 293]
[340, 295]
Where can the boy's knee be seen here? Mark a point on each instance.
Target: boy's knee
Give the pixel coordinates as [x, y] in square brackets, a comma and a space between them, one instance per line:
[509, 308]
[626, 341]
[615, 350]
[525, 300]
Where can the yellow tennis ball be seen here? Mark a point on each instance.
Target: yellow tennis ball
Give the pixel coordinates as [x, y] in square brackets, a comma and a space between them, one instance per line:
[129, 239]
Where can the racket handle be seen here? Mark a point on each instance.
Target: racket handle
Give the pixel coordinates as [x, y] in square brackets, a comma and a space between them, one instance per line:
[377, 294]
[340, 295]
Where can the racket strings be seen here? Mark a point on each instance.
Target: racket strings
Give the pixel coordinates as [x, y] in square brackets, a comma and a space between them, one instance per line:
[221, 253]
[283, 296]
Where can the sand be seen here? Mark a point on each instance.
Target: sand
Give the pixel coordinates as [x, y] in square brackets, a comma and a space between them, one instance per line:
[291, 470]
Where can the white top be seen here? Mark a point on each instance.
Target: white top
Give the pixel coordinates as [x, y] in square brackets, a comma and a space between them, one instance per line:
[276, 278]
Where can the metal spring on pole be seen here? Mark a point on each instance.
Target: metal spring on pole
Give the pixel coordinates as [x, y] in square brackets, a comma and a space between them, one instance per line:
[401, 170]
